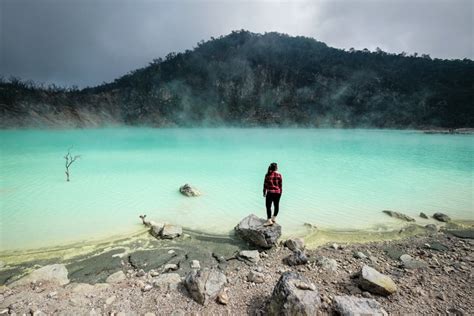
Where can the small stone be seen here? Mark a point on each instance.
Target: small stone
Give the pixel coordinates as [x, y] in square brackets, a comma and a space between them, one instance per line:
[423, 215]
[110, 300]
[149, 314]
[335, 246]
[223, 298]
[327, 264]
[360, 255]
[116, 277]
[154, 273]
[167, 281]
[140, 273]
[195, 264]
[431, 228]
[170, 267]
[251, 256]
[298, 257]
[294, 244]
[52, 294]
[256, 277]
[147, 287]
[351, 306]
[171, 251]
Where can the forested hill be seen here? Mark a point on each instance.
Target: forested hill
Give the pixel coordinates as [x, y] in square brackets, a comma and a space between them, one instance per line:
[247, 79]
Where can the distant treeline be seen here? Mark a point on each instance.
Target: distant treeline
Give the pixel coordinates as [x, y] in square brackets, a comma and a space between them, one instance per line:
[248, 79]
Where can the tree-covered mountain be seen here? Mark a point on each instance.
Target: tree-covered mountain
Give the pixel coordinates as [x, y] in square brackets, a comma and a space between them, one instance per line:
[248, 79]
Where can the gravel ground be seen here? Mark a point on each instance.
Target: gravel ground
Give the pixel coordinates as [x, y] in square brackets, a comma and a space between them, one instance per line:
[443, 286]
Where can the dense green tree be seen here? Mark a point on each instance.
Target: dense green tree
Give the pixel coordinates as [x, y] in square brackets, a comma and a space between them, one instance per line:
[261, 80]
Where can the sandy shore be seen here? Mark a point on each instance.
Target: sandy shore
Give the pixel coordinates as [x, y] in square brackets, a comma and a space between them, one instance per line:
[442, 286]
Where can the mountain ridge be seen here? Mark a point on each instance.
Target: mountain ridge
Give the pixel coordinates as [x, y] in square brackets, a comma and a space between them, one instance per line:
[249, 79]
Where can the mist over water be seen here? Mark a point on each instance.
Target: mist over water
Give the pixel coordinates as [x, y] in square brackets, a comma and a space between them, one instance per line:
[332, 178]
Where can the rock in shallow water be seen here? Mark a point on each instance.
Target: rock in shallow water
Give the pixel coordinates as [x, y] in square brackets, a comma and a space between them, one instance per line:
[354, 306]
[56, 273]
[171, 231]
[189, 191]
[376, 282]
[399, 215]
[294, 295]
[251, 229]
[441, 217]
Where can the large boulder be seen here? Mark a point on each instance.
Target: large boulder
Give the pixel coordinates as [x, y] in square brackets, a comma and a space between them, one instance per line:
[375, 282]
[205, 285]
[354, 306]
[189, 191]
[56, 273]
[441, 217]
[251, 229]
[399, 215]
[294, 294]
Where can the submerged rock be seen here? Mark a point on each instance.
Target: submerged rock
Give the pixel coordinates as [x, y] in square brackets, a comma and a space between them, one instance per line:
[353, 306]
[294, 294]
[205, 285]
[399, 215]
[189, 191]
[56, 273]
[375, 282]
[423, 215]
[441, 217]
[251, 229]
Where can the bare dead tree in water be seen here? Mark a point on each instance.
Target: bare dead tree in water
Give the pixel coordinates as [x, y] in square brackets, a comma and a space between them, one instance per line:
[69, 160]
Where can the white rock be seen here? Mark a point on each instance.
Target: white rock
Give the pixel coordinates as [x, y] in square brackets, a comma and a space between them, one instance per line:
[195, 264]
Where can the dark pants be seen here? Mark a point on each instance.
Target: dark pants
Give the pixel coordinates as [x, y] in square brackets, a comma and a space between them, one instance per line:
[275, 198]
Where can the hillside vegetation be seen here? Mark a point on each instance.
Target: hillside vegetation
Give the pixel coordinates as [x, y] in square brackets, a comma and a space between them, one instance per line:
[247, 79]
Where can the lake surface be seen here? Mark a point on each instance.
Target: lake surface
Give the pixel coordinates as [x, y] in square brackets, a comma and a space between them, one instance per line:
[332, 178]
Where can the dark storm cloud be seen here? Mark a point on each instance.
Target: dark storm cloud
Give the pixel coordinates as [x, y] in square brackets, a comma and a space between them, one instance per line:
[87, 42]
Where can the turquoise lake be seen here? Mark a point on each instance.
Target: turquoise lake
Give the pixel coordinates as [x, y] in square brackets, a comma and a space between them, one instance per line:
[334, 179]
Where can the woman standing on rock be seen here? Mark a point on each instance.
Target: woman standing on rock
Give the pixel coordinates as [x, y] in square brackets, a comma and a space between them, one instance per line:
[272, 189]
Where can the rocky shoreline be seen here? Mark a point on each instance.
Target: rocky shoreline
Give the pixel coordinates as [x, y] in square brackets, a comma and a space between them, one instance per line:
[194, 274]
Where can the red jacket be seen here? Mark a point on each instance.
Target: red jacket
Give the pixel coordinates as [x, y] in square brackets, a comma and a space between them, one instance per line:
[273, 183]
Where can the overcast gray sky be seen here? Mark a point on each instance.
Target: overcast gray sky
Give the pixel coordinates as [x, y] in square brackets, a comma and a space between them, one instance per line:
[87, 42]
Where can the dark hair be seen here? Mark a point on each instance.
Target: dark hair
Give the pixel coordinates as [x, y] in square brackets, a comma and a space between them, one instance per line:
[273, 167]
